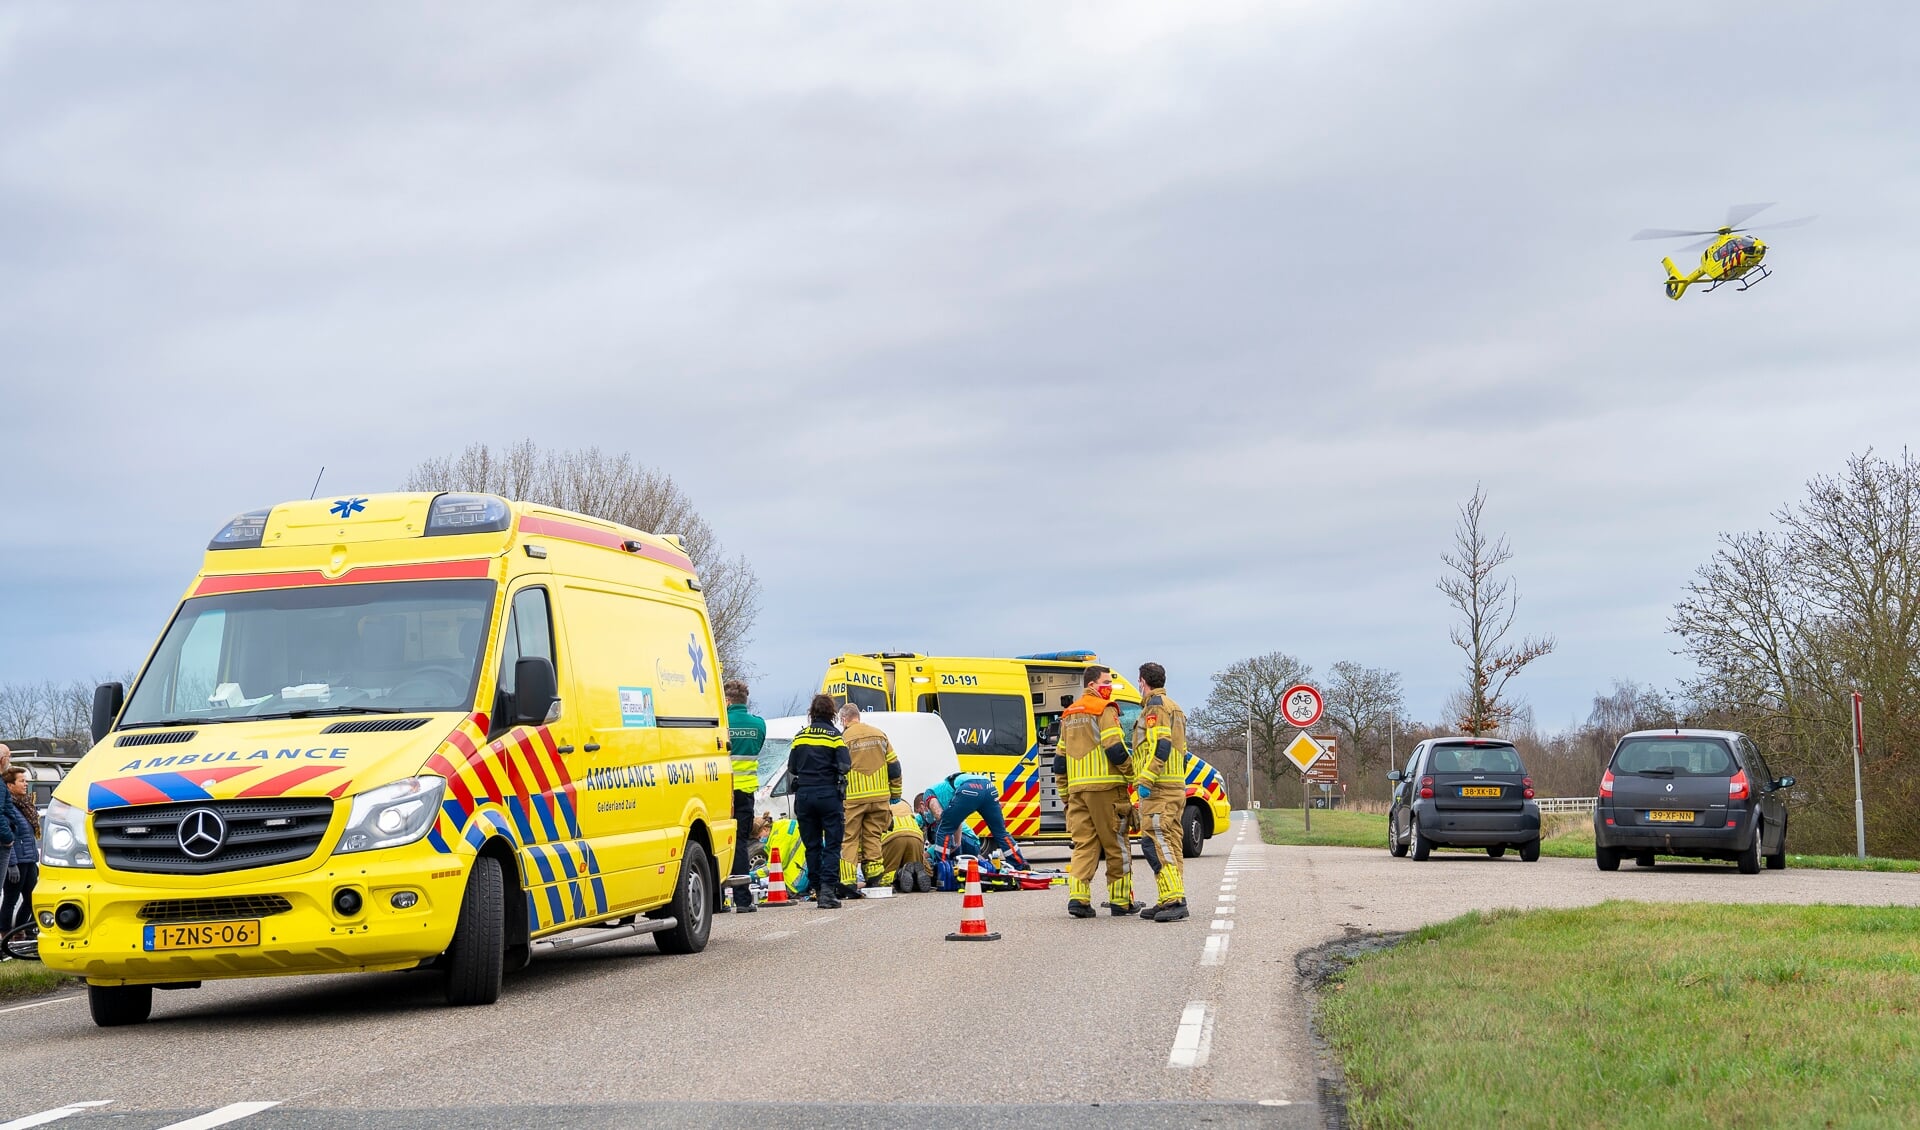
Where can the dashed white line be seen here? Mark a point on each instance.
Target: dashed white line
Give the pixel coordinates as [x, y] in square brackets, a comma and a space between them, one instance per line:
[232, 1112]
[1228, 898]
[776, 935]
[1223, 910]
[1194, 1038]
[54, 1115]
[1223, 924]
[1216, 949]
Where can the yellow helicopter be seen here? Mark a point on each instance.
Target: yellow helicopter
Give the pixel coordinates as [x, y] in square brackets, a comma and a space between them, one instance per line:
[1726, 255]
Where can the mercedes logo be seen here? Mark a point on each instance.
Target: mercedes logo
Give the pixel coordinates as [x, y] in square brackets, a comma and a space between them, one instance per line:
[202, 832]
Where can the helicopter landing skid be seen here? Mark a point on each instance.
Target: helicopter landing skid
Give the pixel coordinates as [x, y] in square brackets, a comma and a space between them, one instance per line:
[1746, 280]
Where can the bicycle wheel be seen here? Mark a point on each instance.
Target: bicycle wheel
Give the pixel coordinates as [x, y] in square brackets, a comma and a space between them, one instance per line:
[23, 942]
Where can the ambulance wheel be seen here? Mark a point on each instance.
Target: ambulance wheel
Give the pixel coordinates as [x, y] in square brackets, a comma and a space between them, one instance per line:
[114, 1005]
[692, 905]
[1193, 835]
[477, 958]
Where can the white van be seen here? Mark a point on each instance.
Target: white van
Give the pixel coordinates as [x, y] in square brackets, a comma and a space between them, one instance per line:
[920, 741]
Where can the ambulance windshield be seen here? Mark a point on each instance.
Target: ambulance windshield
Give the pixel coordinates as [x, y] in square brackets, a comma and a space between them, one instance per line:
[338, 649]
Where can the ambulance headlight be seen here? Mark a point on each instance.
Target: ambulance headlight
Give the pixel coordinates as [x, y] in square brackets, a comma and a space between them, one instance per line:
[467, 514]
[64, 841]
[392, 815]
[244, 532]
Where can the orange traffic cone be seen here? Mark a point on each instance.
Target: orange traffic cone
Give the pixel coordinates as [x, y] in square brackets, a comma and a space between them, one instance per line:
[973, 910]
[776, 881]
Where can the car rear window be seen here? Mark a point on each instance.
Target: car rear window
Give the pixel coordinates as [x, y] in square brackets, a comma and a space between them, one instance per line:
[1475, 759]
[1694, 757]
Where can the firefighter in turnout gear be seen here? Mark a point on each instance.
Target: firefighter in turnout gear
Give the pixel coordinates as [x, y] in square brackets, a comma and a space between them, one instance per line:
[903, 852]
[1160, 786]
[746, 734]
[1099, 774]
[872, 785]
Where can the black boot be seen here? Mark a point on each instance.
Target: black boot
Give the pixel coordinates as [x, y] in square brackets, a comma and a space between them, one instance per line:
[827, 900]
[1080, 909]
[1172, 912]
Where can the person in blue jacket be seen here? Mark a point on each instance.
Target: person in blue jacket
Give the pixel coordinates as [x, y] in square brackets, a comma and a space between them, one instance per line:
[22, 850]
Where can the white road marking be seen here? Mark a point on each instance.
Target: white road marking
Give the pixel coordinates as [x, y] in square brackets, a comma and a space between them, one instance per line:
[233, 1112]
[1223, 924]
[1228, 898]
[1223, 910]
[54, 1115]
[776, 935]
[1194, 1038]
[39, 1004]
[1216, 951]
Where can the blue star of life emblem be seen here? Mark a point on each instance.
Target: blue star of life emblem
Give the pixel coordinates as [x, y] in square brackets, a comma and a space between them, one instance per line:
[699, 656]
[348, 507]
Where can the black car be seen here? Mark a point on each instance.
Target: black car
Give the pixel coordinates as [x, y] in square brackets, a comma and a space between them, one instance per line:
[1707, 794]
[1463, 792]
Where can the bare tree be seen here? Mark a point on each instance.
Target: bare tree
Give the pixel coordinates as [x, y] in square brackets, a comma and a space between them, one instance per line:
[1786, 624]
[1487, 605]
[1360, 704]
[1248, 695]
[618, 489]
[61, 711]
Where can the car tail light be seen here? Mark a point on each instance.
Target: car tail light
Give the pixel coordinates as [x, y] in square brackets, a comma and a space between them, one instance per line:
[1426, 788]
[1606, 783]
[1526, 787]
[1737, 786]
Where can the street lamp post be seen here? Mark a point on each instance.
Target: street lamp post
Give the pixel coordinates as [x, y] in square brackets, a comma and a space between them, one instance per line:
[1249, 767]
[1859, 805]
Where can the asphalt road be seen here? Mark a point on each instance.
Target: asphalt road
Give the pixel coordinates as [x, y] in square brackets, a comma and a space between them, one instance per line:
[805, 1017]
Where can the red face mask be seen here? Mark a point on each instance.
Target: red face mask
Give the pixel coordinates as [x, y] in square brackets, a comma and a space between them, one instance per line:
[1104, 692]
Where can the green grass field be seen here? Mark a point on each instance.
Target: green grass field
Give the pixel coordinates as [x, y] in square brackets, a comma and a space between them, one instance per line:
[1565, 836]
[1635, 1015]
[29, 978]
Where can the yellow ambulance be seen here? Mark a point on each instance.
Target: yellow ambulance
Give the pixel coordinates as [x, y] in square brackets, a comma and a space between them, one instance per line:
[1004, 717]
[393, 732]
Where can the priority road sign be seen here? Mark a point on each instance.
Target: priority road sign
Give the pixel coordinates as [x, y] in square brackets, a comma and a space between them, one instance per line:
[1302, 705]
[1303, 751]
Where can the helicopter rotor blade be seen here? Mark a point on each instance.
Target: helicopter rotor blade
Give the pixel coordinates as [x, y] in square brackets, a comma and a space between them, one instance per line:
[1798, 222]
[1740, 213]
[1700, 246]
[1668, 233]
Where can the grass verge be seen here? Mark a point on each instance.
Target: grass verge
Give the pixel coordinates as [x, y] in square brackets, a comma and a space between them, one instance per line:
[29, 979]
[1637, 1015]
[1568, 836]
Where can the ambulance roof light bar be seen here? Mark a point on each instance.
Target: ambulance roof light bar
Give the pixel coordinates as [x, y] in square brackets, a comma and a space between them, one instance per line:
[244, 532]
[467, 514]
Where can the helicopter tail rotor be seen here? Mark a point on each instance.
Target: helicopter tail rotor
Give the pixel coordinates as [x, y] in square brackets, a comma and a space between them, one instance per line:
[1676, 282]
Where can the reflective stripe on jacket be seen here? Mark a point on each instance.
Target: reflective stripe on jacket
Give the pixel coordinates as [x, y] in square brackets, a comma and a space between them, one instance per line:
[747, 735]
[817, 759]
[1093, 743]
[1160, 744]
[874, 770]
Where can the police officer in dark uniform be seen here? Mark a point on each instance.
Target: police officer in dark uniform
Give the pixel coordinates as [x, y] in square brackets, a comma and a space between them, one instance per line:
[818, 763]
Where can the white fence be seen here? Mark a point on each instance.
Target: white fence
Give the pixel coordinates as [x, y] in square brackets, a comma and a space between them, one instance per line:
[1552, 804]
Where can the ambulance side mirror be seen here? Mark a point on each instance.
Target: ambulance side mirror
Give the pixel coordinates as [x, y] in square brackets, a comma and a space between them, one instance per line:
[536, 691]
[108, 698]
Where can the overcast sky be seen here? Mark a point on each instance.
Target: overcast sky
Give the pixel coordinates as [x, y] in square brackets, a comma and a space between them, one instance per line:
[1174, 331]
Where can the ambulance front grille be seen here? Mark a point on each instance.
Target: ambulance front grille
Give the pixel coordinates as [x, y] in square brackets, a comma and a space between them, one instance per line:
[257, 833]
[214, 909]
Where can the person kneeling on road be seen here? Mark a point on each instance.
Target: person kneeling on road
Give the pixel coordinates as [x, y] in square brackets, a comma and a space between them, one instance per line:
[903, 852]
[818, 762]
[962, 795]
